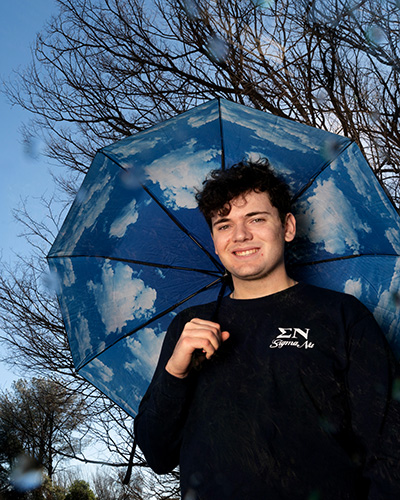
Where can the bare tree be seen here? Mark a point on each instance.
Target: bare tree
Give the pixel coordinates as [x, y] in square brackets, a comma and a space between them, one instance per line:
[108, 485]
[367, 33]
[143, 486]
[105, 69]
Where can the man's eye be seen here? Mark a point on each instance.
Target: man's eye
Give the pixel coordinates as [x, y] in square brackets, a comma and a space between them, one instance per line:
[258, 219]
[223, 227]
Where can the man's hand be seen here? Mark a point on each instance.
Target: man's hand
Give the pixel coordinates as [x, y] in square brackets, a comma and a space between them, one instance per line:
[197, 334]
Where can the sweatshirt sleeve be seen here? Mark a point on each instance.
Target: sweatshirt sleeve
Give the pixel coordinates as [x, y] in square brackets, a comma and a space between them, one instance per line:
[163, 410]
[373, 375]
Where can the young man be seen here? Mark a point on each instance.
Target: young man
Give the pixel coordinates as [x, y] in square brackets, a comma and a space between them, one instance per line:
[284, 392]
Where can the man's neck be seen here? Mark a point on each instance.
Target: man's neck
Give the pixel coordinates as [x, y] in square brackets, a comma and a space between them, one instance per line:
[260, 288]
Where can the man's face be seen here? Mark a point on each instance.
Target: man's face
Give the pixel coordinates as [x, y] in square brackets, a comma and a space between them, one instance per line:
[250, 240]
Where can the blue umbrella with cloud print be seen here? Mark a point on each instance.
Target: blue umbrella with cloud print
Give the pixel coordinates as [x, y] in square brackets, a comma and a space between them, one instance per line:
[134, 250]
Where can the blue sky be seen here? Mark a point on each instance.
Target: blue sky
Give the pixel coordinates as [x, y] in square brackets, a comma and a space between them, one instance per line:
[21, 176]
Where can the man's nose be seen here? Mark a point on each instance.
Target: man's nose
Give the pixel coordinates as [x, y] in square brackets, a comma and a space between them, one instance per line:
[242, 233]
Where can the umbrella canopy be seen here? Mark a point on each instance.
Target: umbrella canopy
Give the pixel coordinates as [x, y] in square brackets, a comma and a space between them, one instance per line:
[134, 249]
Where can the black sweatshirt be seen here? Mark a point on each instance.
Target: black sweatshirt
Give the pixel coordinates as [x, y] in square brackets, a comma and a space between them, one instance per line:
[295, 405]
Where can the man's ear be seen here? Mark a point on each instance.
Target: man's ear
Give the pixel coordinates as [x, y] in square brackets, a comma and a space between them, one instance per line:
[290, 227]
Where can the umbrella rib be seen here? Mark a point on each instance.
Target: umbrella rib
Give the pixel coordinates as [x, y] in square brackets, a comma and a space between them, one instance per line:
[154, 318]
[325, 166]
[183, 228]
[139, 262]
[345, 257]
[223, 166]
[174, 219]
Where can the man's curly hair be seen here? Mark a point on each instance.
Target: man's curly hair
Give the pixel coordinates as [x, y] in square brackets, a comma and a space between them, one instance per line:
[222, 186]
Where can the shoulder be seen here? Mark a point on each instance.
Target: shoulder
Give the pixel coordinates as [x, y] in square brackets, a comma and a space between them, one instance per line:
[327, 294]
[334, 301]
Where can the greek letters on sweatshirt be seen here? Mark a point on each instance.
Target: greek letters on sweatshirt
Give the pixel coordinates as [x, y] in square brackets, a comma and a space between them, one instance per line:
[296, 405]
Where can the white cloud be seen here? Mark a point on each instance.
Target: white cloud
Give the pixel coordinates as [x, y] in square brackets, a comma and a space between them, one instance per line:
[119, 396]
[280, 168]
[129, 215]
[145, 347]
[121, 297]
[387, 310]
[82, 335]
[284, 133]
[368, 186]
[155, 137]
[160, 273]
[198, 120]
[393, 236]
[359, 177]
[69, 274]
[353, 287]
[144, 141]
[327, 217]
[179, 171]
[64, 305]
[92, 203]
[103, 371]
[103, 377]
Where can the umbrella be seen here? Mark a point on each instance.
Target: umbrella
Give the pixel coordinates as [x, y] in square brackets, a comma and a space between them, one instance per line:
[134, 250]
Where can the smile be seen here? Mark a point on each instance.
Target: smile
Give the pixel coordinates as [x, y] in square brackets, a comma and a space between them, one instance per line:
[244, 253]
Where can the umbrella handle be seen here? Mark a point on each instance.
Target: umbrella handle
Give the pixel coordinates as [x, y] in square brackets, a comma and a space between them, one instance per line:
[128, 474]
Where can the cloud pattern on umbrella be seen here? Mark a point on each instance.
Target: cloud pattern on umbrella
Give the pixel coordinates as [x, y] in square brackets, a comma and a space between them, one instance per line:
[134, 250]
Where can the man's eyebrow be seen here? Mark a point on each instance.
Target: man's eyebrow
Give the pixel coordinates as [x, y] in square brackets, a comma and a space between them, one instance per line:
[252, 214]
[221, 220]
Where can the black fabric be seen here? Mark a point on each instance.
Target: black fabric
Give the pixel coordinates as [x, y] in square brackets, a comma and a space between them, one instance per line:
[295, 405]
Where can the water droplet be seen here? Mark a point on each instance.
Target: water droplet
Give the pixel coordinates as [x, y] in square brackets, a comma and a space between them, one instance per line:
[130, 179]
[191, 9]
[51, 280]
[396, 299]
[190, 495]
[331, 149]
[218, 49]
[81, 195]
[375, 116]
[321, 96]
[375, 35]
[26, 475]
[33, 147]
[263, 4]
[332, 15]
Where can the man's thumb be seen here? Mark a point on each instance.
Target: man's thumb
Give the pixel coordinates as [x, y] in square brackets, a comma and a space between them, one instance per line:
[225, 336]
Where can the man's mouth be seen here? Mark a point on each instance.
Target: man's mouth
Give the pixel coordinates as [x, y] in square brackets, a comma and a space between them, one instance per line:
[244, 253]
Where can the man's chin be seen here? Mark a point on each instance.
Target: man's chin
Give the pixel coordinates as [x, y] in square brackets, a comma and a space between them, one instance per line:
[248, 277]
